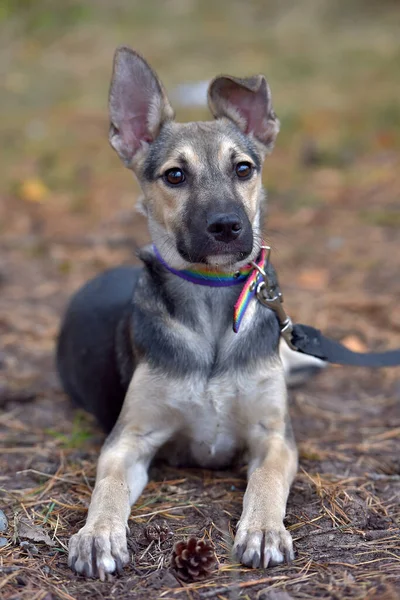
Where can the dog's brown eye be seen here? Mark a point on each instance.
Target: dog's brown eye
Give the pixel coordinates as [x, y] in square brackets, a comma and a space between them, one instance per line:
[244, 170]
[174, 176]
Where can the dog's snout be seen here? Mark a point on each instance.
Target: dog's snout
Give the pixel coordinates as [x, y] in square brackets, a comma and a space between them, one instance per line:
[215, 232]
[224, 227]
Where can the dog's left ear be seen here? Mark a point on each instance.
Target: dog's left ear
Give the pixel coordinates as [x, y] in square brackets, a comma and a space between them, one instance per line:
[246, 102]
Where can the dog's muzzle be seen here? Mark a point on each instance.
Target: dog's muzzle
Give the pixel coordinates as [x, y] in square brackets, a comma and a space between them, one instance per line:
[216, 233]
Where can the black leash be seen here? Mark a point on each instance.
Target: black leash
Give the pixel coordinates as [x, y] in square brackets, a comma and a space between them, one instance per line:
[309, 340]
[312, 341]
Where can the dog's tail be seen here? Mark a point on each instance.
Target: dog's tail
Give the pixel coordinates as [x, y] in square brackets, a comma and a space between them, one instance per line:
[299, 367]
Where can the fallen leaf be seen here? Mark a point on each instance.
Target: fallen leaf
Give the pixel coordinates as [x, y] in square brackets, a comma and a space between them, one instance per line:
[313, 279]
[34, 190]
[352, 342]
[386, 139]
[32, 532]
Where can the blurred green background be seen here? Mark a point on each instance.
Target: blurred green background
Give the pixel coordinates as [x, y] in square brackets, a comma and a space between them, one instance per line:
[333, 66]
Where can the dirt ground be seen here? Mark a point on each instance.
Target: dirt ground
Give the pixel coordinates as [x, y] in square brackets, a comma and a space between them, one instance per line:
[67, 212]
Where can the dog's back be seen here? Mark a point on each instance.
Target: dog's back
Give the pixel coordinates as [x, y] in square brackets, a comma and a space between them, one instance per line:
[94, 356]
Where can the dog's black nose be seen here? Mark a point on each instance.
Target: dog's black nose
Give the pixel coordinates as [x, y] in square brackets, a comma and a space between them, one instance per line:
[224, 227]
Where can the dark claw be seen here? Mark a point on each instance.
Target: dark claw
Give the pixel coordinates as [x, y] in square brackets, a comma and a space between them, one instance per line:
[86, 570]
[288, 555]
[94, 555]
[119, 567]
[256, 561]
[238, 551]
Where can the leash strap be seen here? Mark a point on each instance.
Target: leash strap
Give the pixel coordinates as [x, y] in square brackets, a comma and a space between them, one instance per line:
[308, 340]
[249, 290]
[261, 282]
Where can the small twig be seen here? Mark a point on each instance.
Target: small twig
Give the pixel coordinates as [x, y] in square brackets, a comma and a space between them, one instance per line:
[147, 550]
[383, 477]
[165, 510]
[56, 527]
[8, 578]
[337, 529]
[234, 586]
[62, 593]
[61, 543]
[48, 475]
[242, 584]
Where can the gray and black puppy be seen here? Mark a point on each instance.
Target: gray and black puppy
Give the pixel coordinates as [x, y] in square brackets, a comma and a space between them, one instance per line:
[152, 353]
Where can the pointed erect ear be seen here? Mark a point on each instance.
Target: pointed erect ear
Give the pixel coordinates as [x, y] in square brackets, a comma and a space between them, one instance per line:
[248, 103]
[138, 105]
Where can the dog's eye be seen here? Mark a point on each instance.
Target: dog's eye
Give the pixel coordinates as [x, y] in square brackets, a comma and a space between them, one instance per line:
[244, 170]
[174, 176]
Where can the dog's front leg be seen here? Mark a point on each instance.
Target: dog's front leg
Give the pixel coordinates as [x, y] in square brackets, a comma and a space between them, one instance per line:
[100, 547]
[261, 539]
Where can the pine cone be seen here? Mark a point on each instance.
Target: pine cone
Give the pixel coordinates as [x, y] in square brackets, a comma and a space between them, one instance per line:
[193, 560]
[155, 532]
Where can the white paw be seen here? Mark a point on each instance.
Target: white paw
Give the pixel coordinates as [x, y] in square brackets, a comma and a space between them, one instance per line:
[263, 548]
[98, 549]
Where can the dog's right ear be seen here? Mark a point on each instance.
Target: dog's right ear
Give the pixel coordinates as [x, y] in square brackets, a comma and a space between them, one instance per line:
[138, 105]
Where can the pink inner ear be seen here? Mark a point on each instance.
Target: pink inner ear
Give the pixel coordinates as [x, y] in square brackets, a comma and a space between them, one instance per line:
[134, 89]
[252, 107]
[135, 98]
[134, 131]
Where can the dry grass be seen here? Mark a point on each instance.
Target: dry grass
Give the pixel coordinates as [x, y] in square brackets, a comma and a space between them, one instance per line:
[345, 528]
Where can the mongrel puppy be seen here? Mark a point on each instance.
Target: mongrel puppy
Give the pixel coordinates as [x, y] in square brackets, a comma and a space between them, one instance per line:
[151, 351]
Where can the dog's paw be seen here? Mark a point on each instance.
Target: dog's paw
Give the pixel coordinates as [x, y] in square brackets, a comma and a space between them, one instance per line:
[263, 548]
[99, 549]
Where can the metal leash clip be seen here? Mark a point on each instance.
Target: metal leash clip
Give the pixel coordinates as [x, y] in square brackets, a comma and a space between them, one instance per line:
[271, 297]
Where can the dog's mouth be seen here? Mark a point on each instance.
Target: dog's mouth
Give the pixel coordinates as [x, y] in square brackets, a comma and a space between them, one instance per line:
[216, 254]
[225, 259]
[219, 255]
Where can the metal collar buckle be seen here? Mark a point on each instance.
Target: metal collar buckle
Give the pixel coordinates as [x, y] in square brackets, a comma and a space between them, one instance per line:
[271, 297]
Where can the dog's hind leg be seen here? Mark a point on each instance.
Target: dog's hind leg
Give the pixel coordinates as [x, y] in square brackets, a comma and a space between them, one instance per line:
[144, 425]
[88, 349]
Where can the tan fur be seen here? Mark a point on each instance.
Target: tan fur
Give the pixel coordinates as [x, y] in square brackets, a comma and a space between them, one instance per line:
[166, 204]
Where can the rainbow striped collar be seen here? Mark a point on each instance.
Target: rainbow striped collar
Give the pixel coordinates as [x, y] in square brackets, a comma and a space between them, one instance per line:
[249, 275]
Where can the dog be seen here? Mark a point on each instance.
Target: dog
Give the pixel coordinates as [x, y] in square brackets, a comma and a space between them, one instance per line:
[152, 354]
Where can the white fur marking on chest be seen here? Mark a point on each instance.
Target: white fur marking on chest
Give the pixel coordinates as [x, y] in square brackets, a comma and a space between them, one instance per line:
[216, 414]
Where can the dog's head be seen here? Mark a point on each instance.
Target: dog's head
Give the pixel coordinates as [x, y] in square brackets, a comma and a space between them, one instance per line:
[201, 181]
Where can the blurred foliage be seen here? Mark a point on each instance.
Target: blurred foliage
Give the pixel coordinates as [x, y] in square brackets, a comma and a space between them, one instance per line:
[333, 69]
[37, 17]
